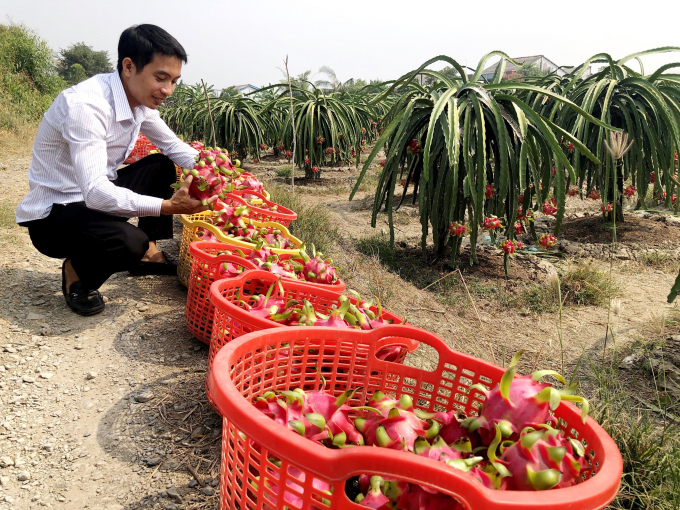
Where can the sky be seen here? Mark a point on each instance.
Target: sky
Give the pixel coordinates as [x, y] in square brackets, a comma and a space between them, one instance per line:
[237, 42]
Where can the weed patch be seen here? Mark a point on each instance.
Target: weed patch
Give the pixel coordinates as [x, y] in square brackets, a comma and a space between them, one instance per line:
[313, 224]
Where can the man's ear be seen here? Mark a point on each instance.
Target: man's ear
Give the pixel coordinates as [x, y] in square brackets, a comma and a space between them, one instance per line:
[128, 67]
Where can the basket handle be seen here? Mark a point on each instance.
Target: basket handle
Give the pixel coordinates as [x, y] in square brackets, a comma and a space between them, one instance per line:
[399, 331]
[409, 343]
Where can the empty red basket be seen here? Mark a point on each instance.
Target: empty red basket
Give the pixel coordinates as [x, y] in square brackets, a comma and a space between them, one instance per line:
[205, 269]
[231, 321]
[287, 358]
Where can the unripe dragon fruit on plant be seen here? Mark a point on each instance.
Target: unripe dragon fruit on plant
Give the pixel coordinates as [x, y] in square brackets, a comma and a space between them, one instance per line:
[519, 402]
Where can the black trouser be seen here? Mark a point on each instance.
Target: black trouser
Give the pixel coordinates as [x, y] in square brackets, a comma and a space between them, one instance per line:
[101, 244]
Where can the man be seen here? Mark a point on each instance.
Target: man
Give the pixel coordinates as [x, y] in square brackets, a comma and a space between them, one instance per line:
[79, 201]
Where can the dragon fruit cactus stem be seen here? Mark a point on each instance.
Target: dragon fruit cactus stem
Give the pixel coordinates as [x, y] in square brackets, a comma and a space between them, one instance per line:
[519, 402]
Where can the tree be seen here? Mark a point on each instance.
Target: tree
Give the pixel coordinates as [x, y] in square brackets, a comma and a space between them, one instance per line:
[229, 92]
[448, 71]
[90, 62]
[332, 84]
[531, 71]
[300, 82]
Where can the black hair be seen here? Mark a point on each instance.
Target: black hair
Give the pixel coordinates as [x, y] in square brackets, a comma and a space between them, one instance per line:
[141, 43]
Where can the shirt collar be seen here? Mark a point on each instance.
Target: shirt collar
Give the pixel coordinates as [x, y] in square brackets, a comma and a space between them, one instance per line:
[120, 101]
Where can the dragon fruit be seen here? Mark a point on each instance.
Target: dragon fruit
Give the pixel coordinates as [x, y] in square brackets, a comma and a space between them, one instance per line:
[520, 402]
[316, 269]
[395, 425]
[418, 498]
[542, 459]
[374, 498]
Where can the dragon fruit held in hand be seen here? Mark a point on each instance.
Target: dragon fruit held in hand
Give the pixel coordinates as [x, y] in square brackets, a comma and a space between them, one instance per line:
[519, 402]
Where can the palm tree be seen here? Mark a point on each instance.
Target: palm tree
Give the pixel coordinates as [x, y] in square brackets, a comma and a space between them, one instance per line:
[332, 84]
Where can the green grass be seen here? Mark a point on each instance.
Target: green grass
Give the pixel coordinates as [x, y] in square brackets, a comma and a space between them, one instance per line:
[583, 284]
[314, 223]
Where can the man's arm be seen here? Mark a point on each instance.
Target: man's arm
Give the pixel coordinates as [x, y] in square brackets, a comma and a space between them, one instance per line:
[163, 137]
[85, 132]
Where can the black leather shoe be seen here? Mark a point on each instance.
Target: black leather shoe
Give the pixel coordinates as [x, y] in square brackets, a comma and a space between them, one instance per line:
[143, 268]
[82, 301]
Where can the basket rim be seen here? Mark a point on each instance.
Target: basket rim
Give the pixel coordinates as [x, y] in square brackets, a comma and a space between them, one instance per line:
[339, 465]
[191, 221]
[196, 250]
[283, 212]
[257, 274]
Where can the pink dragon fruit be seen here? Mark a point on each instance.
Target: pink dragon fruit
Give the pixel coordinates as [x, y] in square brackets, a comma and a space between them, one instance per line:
[520, 402]
[418, 498]
[230, 270]
[204, 234]
[316, 269]
[335, 319]
[394, 425]
[374, 498]
[206, 182]
[543, 459]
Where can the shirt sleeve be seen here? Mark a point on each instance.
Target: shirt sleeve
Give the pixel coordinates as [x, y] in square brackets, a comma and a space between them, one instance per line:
[84, 130]
[156, 130]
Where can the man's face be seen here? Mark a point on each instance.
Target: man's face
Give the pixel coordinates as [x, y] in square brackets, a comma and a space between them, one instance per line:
[154, 84]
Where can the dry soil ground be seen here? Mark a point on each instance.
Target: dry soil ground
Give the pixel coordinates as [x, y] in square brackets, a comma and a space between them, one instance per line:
[108, 412]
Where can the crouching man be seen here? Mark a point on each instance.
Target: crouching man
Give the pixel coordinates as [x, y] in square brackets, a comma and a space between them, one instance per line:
[79, 202]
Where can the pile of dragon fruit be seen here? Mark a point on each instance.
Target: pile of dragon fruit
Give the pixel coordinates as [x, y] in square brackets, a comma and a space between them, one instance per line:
[511, 445]
[235, 223]
[273, 307]
[312, 269]
[214, 174]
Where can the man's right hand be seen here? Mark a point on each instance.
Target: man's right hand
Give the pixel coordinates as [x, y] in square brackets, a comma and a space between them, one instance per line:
[182, 203]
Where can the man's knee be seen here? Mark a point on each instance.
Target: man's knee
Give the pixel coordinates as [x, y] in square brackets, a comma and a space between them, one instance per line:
[135, 243]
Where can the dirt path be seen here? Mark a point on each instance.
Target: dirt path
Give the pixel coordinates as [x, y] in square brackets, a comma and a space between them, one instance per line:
[108, 412]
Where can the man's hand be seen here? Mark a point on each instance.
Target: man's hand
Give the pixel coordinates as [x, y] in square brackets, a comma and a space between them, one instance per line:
[182, 203]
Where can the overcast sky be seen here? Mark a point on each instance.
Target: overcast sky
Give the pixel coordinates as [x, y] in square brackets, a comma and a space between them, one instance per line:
[237, 42]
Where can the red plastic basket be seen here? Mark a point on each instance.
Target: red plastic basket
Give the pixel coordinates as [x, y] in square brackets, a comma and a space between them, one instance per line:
[282, 215]
[231, 321]
[205, 265]
[140, 150]
[284, 359]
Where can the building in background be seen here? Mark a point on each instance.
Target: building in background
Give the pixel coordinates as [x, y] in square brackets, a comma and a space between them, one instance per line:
[540, 61]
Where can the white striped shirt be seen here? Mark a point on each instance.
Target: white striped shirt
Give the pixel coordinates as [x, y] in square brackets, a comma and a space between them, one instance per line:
[84, 137]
